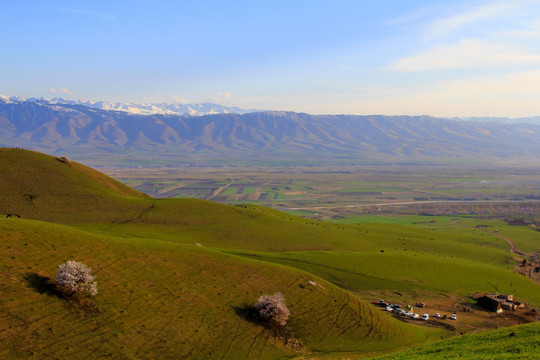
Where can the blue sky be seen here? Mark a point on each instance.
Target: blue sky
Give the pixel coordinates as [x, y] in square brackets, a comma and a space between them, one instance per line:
[442, 58]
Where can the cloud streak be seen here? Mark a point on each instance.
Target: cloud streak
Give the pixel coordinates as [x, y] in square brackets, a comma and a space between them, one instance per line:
[467, 54]
[61, 91]
[222, 96]
[101, 16]
[452, 23]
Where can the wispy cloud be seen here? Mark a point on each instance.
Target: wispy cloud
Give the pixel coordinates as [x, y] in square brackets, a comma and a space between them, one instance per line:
[513, 95]
[454, 22]
[222, 96]
[61, 91]
[179, 99]
[527, 31]
[467, 54]
[102, 16]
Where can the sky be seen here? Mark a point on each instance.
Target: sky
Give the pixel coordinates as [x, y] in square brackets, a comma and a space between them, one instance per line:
[414, 57]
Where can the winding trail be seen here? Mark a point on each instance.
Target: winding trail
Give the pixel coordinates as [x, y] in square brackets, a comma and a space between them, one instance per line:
[508, 241]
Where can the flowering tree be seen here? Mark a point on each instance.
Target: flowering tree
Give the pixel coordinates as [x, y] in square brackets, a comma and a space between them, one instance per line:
[272, 308]
[75, 276]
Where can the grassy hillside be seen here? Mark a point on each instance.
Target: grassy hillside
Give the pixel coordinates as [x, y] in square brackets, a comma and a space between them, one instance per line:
[39, 186]
[406, 273]
[518, 342]
[161, 296]
[166, 300]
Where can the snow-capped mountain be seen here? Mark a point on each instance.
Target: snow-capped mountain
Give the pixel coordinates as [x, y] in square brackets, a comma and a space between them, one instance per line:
[141, 108]
[81, 130]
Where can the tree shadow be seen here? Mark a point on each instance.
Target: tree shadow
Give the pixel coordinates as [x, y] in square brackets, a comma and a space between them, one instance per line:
[277, 332]
[248, 313]
[43, 285]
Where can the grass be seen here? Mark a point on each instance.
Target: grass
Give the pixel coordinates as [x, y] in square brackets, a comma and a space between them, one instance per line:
[518, 342]
[164, 299]
[160, 296]
[406, 273]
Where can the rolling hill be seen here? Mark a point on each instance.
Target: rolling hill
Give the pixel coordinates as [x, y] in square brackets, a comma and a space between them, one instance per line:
[87, 132]
[177, 277]
[158, 298]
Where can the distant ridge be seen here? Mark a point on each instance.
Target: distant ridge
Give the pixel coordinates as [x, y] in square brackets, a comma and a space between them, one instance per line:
[192, 109]
[77, 129]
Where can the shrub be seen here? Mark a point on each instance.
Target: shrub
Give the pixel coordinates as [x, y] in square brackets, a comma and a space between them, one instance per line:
[272, 309]
[75, 276]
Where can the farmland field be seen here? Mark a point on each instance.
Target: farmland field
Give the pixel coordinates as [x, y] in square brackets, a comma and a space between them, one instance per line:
[338, 192]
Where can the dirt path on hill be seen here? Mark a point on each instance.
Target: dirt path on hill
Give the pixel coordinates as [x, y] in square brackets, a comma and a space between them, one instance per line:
[513, 247]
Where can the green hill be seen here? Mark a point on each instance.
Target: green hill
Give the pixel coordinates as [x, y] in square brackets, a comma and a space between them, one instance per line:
[160, 296]
[518, 342]
[39, 186]
[164, 300]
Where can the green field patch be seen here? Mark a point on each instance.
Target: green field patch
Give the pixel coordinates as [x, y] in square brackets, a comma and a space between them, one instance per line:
[249, 190]
[230, 191]
[373, 190]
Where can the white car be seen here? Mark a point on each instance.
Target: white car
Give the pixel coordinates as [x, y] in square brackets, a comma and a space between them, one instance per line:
[408, 313]
[437, 315]
[425, 317]
[453, 317]
[415, 316]
[389, 308]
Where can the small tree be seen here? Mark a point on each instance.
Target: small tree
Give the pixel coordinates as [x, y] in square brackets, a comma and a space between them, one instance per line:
[272, 308]
[75, 276]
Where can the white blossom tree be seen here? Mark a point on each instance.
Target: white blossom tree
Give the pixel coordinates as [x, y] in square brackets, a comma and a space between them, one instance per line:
[272, 308]
[75, 276]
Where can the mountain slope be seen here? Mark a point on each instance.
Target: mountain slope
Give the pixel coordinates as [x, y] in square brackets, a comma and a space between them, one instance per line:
[141, 108]
[158, 299]
[77, 129]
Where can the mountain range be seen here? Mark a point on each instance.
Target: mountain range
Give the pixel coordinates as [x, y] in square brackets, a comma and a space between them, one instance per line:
[77, 128]
[192, 109]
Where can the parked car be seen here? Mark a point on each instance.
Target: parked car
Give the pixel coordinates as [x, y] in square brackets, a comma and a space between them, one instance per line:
[389, 308]
[407, 313]
[453, 317]
[400, 312]
[425, 317]
[397, 310]
[415, 316]
[437, 315]
[421, 305]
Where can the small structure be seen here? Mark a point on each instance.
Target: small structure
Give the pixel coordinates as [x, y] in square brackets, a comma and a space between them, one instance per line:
[490, 303]
[498, 302]
[505, 297]
[507, 305]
